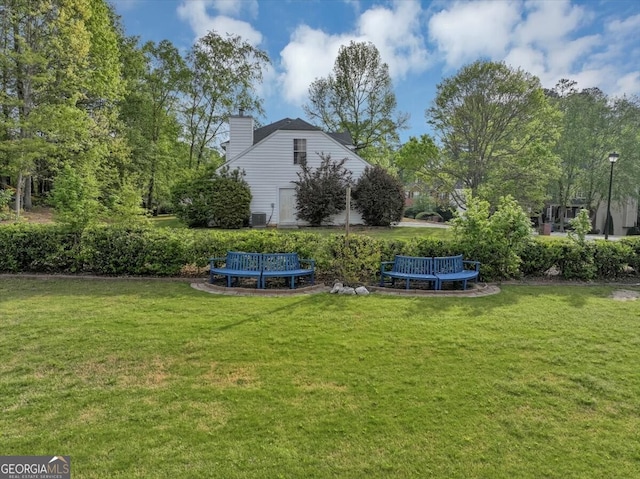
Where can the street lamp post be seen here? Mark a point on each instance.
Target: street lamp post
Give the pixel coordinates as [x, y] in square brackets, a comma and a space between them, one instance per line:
[613, 157]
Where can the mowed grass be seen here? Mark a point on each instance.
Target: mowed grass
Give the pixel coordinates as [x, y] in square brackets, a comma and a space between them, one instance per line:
[154, 379]
[396, 232]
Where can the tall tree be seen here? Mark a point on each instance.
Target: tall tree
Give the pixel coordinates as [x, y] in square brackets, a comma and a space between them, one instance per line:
[582, 147]
[224, 73]
[54, 86]
[150, 111]
[358, 98]
[595, 125]
[497, 132]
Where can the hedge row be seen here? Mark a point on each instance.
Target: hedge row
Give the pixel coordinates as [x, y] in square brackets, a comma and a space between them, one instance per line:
[119, 250]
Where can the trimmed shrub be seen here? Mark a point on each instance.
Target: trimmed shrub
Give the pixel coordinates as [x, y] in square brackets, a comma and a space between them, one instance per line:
[321, 193]
[143, 250]
[577, 261]
[39, 248]
[539, 256]
[425, 215]
[213, 200]
[379, 197]
[611, 258]
[133, 250]
[353, 261]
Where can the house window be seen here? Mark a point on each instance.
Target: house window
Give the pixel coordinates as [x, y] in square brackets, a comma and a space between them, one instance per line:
[299, 151]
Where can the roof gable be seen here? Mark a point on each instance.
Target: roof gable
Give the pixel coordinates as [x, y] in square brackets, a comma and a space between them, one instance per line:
[260, 134]
[285, 124]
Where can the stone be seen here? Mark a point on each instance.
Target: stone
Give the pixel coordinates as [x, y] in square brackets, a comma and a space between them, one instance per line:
[347, 290]
[336, 288]
[362, 290]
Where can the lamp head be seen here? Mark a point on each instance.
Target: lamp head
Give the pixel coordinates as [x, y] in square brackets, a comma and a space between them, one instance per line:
[613, 157]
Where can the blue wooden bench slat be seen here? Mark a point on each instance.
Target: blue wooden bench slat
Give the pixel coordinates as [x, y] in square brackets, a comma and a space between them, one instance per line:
[409, 268]
[285, 265]
[261, 266]
[237, 265]
[436, 270]
[452, 268]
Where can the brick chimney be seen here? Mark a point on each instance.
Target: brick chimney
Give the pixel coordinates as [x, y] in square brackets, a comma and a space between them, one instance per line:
[240, 134]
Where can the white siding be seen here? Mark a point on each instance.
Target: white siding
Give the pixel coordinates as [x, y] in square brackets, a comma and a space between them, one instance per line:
[240, 135]
[269, 167]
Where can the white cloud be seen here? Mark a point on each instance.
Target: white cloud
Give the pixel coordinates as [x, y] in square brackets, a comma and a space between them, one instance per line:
[627, 84]
[397, 35]
[235, 7]
[550, 39]
[548, 23]
[310, 54]
[195, 12]
[395, 31]
[466, 31]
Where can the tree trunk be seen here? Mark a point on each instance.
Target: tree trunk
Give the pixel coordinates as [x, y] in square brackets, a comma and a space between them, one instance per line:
[562, 212]
[19, 186]
[28, 204]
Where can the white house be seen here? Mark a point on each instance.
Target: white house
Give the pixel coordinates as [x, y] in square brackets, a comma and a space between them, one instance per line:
[270, 157]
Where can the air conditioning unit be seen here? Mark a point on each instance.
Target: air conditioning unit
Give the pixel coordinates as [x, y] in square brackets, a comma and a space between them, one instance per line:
[258, 220]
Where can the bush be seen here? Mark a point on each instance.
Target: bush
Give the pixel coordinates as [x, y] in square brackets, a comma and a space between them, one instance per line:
[353, 261]
[379, 197]
[580, 226]
[133, 250]
[577, 261]
[5, 198]
[39, 248]
[142, 250]
[321, 193]
[74, 198]
[428, 214]
[611, 258]
[213, 200]
[495, 240]
[539, 256]
[634, 259]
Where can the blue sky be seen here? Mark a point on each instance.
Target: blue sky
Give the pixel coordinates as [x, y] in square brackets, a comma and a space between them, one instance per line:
[596, 43]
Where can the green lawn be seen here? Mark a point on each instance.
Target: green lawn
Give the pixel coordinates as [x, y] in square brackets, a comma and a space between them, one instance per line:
[400, 232]
[152, 379]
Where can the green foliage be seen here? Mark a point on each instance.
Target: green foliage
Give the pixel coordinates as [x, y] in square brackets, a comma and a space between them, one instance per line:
[538, 257]
[118, 249]
[423, 203]
[354, 259]
[634, 259]
[75, 198]
[133, 250]
[321, 192]
[223, 74]
[581, 225]
[379, 197]
[358, 98]
[5, 199]
[216, 200]
[611, 259]
[578, 261]
[38, 248]
[497, 131]
[423, 215]
[495, 239]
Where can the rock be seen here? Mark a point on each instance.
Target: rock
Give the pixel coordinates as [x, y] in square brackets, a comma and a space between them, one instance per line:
[362, 290]
[337, 287]
[347, 290]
